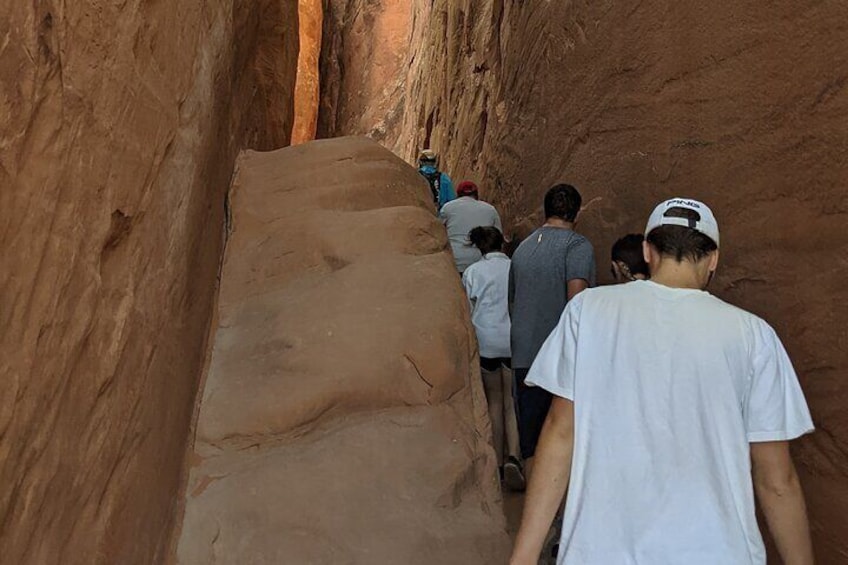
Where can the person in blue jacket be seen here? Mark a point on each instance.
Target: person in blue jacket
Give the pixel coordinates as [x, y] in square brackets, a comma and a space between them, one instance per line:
[441, 185]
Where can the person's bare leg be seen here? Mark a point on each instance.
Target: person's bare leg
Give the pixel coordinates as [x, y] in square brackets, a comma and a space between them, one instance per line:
[528, 468]
[495, 399]
[513, 473]
[510, 421]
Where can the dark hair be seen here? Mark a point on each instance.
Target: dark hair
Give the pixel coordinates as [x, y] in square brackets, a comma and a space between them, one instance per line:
[628, 250]
[681, 242]
[486, 238]
[562, 201]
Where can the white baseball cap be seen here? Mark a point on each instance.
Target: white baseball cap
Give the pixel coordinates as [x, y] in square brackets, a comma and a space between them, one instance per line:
[707, 223]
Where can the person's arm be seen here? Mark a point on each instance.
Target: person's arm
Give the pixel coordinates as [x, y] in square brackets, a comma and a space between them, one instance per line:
[775, 413]
[446, 185]
[576, 286]
[510, 293]
[468, 285]
[579, 267]
[548, 483]
[443, 217]
[782, 500]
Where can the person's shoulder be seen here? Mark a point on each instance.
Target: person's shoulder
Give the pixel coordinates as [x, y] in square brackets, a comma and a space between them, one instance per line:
[617, 296]
[534, 234]
[732, 309]
[486, 208]
[525, 244]
[625, 291]
[564, 238]
[579, 240]
[473, 269]
[496, 264]
[755, 326]
[450, 205]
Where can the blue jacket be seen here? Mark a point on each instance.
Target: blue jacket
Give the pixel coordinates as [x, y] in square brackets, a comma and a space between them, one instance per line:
[446, 192]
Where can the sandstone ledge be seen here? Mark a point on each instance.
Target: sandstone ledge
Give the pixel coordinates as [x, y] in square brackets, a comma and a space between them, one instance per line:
[342, 419]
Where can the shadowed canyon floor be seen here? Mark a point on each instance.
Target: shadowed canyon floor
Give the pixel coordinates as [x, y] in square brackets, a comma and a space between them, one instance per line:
[342, 418]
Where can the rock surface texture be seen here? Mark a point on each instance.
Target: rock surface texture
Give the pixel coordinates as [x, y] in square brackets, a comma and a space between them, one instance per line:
[364, 62]
[307, 89]
[742, 105]
[121, 122]
[342, 418]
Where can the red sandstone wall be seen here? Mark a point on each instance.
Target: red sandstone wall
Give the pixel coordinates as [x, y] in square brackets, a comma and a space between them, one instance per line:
[741, 104]
[364, 62]
[307, 89]
[120, 126]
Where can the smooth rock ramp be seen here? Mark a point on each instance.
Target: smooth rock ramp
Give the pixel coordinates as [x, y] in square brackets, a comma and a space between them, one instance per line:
[342, 419]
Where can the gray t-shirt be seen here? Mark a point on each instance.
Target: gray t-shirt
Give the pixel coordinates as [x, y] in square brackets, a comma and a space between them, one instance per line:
[460, 216]
[538, 286]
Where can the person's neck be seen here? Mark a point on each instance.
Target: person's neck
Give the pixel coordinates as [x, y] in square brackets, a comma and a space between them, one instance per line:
[676, 275]
[554, 222]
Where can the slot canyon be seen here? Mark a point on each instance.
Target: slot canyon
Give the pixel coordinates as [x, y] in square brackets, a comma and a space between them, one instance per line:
[232, 326]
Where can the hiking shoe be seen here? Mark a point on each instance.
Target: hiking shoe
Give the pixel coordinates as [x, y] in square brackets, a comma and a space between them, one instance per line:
[513, 475]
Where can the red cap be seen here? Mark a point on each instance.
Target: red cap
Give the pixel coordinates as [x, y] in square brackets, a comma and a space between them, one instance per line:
[466, 188]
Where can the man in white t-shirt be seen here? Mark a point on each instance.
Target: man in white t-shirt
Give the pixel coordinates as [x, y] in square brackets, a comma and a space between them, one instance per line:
[672, 409]
[462, 215]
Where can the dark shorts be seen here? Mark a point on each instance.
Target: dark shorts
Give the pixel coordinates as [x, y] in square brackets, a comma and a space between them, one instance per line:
[531, 409]
[494, 363]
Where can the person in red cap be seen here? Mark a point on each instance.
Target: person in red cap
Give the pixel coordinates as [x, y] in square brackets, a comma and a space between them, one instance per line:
[462, 215]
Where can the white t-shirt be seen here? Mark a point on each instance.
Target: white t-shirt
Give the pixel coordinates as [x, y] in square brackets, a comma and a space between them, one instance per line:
[487, 282]
[669, 387]
[462, 215]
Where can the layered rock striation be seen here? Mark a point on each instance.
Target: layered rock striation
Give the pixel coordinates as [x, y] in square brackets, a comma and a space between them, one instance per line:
[121, 124]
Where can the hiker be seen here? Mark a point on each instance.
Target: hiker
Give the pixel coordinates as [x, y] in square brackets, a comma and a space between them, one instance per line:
[486, 283]
[672, 409]
[462, 215]
[441, 185]
[549, 269]
[628, 261]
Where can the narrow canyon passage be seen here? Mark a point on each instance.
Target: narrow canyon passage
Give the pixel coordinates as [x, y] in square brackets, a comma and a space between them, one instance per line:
[123, 309]
[740, 107]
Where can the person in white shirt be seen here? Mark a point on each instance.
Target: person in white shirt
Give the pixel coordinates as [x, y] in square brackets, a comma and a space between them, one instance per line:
[672, 409]
[486, 284]
[462, 215]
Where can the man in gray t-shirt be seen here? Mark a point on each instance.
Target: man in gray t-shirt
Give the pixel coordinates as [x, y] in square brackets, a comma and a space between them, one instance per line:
[548, 269]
